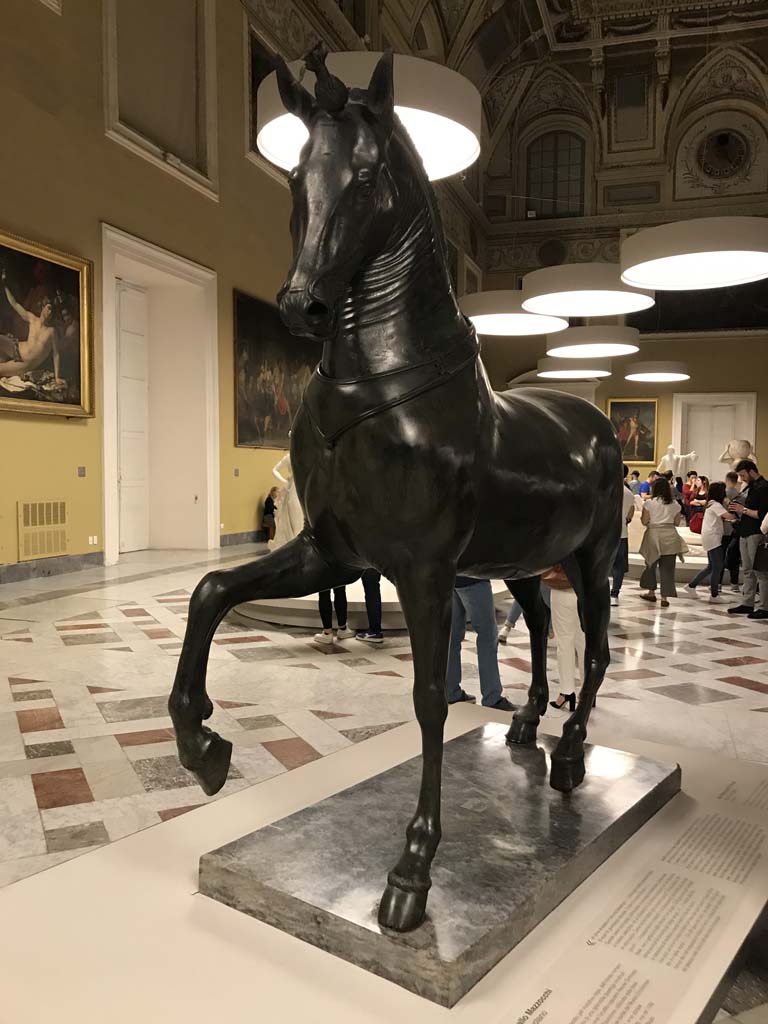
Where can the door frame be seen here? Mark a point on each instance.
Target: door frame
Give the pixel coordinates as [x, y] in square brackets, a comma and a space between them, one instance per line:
[683, 401]
[121, 286]
[116, 244]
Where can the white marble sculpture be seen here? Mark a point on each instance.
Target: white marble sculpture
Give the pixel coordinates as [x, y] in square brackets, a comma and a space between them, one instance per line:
[737, 450]
[677, 463]
[288, 514]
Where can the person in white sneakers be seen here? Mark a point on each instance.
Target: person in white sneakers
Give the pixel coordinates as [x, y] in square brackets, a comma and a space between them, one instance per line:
[712, 528]
[326, 616]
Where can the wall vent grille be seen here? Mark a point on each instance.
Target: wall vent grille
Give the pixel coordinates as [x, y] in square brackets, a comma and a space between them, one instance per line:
[42, 529]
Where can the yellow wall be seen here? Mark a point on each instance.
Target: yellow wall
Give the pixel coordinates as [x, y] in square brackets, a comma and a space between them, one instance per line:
[60, 177]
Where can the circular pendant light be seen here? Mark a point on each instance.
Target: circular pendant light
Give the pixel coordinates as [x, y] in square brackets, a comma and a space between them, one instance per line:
[657, 373]
[574, 369]
[710, 252]
[440, 108]
[501, 312]
[593, 342]
[581, 289]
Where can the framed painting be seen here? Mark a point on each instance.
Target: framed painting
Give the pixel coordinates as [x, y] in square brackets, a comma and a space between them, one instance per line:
[272, 369]
[46, 333]
[635, 423]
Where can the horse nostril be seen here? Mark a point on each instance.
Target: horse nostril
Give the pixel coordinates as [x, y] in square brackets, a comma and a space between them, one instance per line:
[317, 310]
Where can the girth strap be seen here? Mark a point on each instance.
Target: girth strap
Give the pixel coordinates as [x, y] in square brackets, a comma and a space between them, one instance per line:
[336, 406]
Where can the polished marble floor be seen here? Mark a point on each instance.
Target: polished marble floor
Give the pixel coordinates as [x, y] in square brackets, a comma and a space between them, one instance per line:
[86, 662]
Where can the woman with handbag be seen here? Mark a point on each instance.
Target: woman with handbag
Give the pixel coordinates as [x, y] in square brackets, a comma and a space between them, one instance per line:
[662, 545]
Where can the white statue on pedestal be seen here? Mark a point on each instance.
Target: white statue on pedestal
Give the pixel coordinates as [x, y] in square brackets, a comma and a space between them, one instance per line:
[737, 450]
[677, 463]
[288, 514]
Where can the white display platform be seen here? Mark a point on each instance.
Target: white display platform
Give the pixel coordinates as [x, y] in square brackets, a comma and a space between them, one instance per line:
[302, 611]
[119, 934]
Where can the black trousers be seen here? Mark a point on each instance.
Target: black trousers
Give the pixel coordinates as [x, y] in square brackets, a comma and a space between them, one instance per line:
[732, 557]
[372, 587]
[339, 603]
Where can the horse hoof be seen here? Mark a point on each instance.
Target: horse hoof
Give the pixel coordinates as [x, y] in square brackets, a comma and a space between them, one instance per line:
[522, 731]
[212, 770]
[401, 910]
[567, 773]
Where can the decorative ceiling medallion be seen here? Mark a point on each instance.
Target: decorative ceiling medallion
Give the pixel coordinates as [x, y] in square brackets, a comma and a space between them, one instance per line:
[722, 154]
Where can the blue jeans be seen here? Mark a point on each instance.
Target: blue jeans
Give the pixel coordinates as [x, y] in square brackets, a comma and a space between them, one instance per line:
[516, 609]
[475, 601]
[713, 572]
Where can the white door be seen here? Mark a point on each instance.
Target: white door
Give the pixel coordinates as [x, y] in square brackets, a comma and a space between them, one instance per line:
[707, 431]
[133, 416]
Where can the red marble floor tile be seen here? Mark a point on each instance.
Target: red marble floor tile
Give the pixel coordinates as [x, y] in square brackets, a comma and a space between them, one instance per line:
[137, 739]
[160, 634]
[745, 659]
[39, 719]
[291, 753]
[107, 689]
[61, 788]
[84, 625]
[385, 673]
[732, 641]
[223, 640]
[404, 657]
[325, 715]
[746, 684]
[174, 812]
[135, 613]
[226, 704]
[521, 663]
[18, 681]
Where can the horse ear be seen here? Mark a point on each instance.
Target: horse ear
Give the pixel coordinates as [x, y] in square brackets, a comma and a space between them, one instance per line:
[295, 97]
[381, 89]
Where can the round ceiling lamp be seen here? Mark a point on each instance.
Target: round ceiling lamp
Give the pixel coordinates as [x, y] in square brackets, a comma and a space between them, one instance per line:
[657, 373]
[501, 312]
[440, 108]
[581, 289]
[575, 369]
[594, 343]
[710, 252]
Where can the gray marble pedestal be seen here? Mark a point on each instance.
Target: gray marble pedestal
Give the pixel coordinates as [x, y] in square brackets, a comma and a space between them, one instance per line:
[512, 849]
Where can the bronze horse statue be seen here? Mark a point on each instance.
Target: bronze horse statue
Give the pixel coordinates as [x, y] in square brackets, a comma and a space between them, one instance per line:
[406, 460]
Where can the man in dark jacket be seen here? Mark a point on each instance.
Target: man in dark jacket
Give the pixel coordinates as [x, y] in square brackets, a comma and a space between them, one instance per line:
[754, 600]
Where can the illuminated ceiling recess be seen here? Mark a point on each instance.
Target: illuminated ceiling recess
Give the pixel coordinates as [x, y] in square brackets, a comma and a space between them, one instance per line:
[582, 289]
[573, 369]
[658, 372]
[708, 252]
[596, 342]
[501, 312]
[439, 107]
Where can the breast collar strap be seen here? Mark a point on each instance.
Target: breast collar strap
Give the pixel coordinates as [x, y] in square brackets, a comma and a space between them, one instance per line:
[336, 406]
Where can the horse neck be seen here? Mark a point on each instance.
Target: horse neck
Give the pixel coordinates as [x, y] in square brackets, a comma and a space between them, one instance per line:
[400, 308]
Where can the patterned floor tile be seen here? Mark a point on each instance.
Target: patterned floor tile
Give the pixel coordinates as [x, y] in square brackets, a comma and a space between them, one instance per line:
[691, 693]
[166, 773]
[746, 684]
[39, 719]
[134, 709]
[292, 753]
[22, 695]
[62, 788]
[76, 837]
[260, 722]
[366, 732]
[54, 749]
[174, 812]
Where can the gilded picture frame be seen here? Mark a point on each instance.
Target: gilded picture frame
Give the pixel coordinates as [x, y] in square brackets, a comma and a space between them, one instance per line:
[635, 421]
[46, 330]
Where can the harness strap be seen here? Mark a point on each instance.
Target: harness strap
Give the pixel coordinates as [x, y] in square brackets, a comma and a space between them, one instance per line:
[336, 406]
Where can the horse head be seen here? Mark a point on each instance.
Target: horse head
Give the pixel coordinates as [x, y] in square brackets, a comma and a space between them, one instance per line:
[343, 191]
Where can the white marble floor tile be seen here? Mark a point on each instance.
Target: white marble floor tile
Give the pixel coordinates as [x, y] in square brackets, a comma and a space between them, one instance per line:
[21, 834]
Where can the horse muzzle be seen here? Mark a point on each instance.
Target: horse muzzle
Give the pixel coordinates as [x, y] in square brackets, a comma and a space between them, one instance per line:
[306, 314]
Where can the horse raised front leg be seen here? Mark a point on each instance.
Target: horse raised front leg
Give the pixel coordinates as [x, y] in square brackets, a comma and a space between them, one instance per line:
[568, 757]
[294, 570]
[526, 719]
[426, 602]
